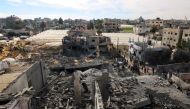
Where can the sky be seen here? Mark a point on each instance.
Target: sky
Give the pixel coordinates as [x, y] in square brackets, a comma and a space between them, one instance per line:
[94, 9]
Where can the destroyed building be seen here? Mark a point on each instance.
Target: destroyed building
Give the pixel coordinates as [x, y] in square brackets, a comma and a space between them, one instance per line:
[100, 89]
[163, 94]
[103, 82]
[85, 41]
[98, 44]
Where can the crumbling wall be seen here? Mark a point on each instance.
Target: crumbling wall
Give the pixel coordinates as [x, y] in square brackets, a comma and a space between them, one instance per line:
[103, 83]
[36, 76]
[178, 67]
[32, 77]
[18, 85]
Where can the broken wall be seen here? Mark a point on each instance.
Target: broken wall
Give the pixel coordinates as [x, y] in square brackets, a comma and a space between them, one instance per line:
[34, 76]
[178, 67]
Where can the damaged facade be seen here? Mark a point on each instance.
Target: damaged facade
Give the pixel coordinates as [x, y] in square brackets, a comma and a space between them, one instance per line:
[86, 41]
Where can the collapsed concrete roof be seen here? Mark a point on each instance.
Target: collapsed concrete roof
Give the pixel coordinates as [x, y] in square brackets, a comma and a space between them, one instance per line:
[163, 93]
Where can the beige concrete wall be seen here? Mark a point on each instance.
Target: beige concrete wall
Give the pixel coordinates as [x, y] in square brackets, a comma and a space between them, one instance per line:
[156, 22]
[178, 67]
[92, 41]
[171, 37]
[34, 77]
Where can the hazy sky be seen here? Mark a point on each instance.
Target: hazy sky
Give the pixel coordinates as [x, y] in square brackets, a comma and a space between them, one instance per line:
[89, 9]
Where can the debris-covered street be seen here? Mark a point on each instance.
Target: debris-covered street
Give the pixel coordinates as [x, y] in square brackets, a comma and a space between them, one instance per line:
[87, 72]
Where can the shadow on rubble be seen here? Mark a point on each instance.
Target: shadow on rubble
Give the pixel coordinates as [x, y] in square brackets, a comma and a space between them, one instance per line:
[163, 101]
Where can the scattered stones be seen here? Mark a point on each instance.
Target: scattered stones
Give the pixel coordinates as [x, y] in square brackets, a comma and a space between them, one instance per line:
[127, 91]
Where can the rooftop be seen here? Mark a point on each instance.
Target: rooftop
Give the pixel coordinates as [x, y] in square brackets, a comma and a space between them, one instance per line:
[124, 38]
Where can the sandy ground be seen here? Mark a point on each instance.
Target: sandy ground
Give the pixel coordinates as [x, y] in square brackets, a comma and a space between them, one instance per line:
[50, 37]
[55, 37]
[124, 38]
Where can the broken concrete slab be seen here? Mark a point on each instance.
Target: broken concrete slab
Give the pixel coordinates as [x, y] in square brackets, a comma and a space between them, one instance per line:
[164, 94]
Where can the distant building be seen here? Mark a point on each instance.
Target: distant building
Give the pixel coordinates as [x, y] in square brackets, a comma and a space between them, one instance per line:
[156, 22]
[29, 24]
[80, 31]
[2, 23]
[141, 29]
[38, 21]
[111, 25]
[176, 23]
[171, 37]
[14, 18]
[186, 35]
[140, 20]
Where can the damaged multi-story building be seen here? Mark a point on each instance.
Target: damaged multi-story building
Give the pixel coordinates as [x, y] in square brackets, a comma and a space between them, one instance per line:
[111, 25]
[155, 22]
[173, 37]
[141, 29]
[86, 41]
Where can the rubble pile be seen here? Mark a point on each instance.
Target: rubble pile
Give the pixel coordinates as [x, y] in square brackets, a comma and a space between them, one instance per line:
[92, 72]
[59, 95]
[153, 81]
[163, 94]
[126, 73]
[14, 49]
[127, 93]
[163, 100]
[119, 87]
[60, 92]
[74, 63]
[80, 61]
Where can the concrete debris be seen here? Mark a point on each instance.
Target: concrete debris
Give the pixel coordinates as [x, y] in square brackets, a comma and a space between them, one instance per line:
[85, 42]
[73, 63]
[91, 72]
[4, 98]
[115, 92]
[127, 93]
[96, 77]
[80, 61]
[60, 94]
[164, 94]
[98, 97]
[77, 87]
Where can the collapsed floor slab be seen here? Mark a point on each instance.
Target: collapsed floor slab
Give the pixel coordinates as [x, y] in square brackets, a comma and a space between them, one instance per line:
[163, 94]
[127, 93]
